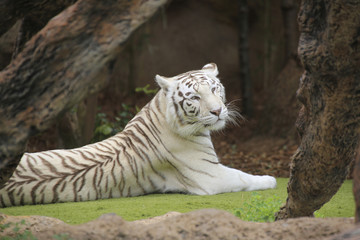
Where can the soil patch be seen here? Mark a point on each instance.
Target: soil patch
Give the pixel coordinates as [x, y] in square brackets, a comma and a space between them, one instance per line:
[257, 155]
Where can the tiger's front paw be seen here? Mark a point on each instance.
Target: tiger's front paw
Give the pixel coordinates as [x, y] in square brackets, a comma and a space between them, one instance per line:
[269, 182]
[261, 183]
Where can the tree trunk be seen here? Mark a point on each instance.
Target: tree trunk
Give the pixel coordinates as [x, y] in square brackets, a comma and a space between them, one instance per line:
[37, 11]
[356, 186]
[60, 65]
[329, 121]
[77, 126]
[32, 22]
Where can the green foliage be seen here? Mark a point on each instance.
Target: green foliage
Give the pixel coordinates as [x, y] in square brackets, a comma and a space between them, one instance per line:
[146, 90]
[105, 128]
[17, 234]
[26, 234]
[259, 209]
[319, 214]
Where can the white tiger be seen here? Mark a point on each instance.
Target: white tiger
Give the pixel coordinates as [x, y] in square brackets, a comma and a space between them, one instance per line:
[166, 147]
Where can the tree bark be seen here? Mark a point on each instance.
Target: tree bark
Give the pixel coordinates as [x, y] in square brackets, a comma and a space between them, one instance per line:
[329, 121]
[356, 186]
[39, 11]
[60, 65]
[77, 126]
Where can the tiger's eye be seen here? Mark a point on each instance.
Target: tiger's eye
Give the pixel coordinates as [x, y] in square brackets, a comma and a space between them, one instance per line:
[195, 98]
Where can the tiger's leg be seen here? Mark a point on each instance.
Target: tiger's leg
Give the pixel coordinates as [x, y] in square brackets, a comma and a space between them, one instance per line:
[223, 179]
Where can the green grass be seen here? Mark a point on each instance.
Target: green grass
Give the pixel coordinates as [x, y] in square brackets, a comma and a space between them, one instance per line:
[342, 205]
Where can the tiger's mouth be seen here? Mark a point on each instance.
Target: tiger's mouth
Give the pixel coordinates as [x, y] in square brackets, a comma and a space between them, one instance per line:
[218, 124]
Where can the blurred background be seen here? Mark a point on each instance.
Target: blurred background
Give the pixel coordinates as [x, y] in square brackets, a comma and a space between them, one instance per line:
[253, 43]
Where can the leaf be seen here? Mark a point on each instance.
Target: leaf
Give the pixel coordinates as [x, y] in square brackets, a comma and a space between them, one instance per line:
[259, 209]
[105, 129]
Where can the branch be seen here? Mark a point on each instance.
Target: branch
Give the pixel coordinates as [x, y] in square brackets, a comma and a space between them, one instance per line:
[41, 10]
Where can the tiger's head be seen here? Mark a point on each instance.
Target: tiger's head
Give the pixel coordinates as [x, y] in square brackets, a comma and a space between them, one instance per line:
[196, 101]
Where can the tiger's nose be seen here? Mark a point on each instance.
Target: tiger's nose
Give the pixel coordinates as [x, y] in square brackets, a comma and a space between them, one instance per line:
[216, 112]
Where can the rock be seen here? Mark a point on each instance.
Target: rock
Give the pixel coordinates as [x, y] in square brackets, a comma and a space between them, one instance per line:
[31, 223]
[157, 219]
[201, 224]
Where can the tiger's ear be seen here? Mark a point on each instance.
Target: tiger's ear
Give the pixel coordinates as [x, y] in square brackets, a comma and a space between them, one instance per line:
[211, 69]
[164, 83]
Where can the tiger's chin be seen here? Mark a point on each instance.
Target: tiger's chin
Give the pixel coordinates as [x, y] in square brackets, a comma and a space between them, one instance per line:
[218, 125]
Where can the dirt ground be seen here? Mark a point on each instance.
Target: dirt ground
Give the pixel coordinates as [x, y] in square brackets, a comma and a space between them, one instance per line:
[201, 224]
[257, 155]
